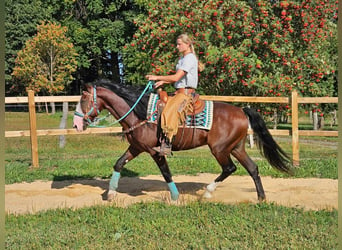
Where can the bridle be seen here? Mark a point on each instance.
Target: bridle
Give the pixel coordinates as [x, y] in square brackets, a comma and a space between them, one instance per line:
[94, 111]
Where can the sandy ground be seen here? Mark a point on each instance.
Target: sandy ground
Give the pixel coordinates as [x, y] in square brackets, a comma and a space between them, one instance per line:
[309, 194]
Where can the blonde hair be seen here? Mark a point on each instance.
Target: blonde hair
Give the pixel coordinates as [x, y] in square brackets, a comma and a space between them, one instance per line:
[185, 38]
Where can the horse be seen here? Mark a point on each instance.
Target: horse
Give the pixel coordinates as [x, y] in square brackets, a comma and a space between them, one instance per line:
[226, 137]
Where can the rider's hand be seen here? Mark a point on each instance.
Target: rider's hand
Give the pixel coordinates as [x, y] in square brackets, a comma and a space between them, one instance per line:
[158, 84]
[151, 77]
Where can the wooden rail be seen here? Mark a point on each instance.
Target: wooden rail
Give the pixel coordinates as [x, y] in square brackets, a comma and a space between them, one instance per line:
[246, 99]
[294, 132]
[24, 99]
[46, 132]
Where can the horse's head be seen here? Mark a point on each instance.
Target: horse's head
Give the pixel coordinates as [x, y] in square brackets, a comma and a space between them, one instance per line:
[87, 109]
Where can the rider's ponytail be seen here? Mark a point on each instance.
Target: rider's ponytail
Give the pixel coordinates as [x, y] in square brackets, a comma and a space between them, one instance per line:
[186, 39]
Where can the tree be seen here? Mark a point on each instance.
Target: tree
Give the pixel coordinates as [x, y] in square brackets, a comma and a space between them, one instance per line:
[263, 48]
[47, 61]
[98, 29]
[22, 18]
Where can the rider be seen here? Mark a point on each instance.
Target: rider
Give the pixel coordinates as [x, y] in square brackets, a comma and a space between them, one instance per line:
[185, 81]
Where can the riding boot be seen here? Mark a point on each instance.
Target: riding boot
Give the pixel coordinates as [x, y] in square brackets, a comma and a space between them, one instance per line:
[165, 147]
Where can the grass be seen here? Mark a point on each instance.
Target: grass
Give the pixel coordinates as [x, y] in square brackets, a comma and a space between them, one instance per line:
[89, 156]
[82, 158]
[198, 225]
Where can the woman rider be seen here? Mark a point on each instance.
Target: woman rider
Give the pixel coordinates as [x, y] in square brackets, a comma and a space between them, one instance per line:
[185, 81]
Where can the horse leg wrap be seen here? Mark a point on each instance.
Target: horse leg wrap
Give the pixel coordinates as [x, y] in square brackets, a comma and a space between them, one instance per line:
[173, 190]
[114, 181]
[212, 186]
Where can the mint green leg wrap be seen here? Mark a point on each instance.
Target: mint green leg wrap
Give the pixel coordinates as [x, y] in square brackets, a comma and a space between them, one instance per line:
[114, 181]
[173, 190]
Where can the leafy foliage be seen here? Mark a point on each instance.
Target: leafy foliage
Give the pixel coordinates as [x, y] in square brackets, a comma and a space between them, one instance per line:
[98, 29]
[47, 60]
[22, 18]
[264, 48]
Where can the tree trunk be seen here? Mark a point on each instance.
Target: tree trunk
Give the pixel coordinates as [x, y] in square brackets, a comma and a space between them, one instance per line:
[53, 108]
[250, 136]
[275, 119]
[115, 67]
[46, 108]
[315, 120]
[334, 118]
[62, 125]
[320, 124]
[52, 54]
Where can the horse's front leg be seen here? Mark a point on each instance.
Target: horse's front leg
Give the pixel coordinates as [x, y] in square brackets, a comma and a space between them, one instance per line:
[120, 163]
[165, 171]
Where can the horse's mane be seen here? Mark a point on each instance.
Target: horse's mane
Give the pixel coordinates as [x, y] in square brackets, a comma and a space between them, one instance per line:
[129, 93]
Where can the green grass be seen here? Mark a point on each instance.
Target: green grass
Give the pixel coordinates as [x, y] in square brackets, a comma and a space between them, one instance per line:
[198, 225]
[89, 156]
[82, 158]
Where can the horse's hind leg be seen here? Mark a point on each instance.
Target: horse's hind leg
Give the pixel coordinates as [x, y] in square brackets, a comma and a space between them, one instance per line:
[165, 171]
[240, 154]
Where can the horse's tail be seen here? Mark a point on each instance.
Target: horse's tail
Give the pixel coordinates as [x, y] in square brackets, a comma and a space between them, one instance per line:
[266, 144]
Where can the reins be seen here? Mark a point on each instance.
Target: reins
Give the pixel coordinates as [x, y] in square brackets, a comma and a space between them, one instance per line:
[139, 124]
[148, 89]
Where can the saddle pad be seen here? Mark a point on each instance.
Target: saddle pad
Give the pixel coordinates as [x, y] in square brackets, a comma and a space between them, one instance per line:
[203, 120]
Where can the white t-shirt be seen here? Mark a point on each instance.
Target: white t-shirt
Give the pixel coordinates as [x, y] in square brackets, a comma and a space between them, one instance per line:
[189, 64]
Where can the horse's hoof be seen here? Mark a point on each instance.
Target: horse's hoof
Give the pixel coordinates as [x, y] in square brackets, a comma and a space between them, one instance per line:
[111, 195]
[212, 186]
[207, 195]
[173, 202]
[262, 199]
[175, 197]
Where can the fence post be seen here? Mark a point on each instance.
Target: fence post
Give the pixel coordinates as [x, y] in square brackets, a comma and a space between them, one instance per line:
[33, 129]
[295, 134]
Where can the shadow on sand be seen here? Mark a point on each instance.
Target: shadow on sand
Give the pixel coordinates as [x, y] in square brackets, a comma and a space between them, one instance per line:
[133, 186]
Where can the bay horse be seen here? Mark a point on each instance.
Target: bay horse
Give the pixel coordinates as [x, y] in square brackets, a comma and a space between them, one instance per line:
[226, 137]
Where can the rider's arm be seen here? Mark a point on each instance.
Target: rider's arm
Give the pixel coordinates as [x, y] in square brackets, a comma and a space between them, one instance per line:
[167, 79]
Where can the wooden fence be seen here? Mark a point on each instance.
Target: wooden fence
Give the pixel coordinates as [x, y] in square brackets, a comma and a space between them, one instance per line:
[294, 100]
